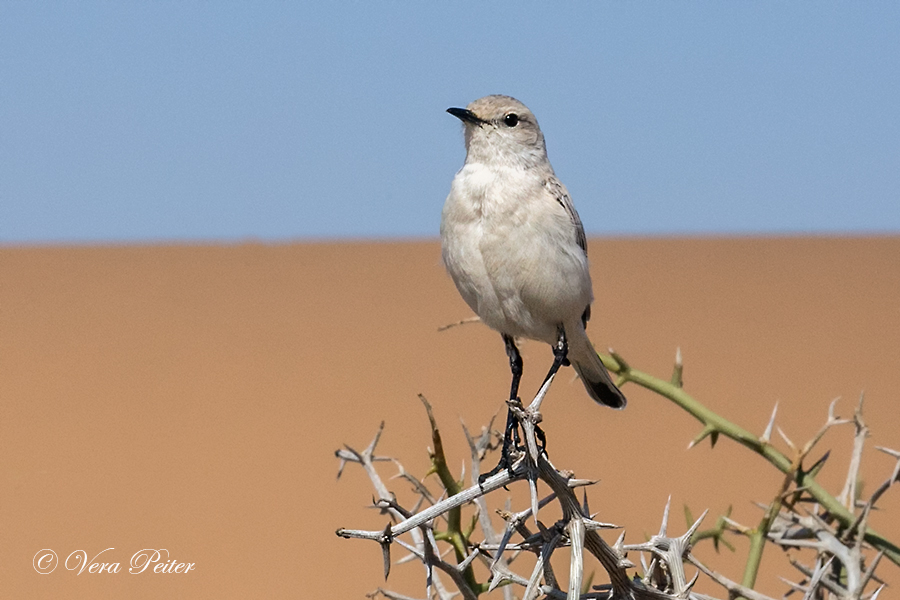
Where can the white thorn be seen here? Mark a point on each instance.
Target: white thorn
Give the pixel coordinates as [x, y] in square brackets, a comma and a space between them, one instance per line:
[767, 435]
[665, 519]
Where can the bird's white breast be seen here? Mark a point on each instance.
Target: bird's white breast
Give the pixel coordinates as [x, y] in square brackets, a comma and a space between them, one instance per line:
[511, 249]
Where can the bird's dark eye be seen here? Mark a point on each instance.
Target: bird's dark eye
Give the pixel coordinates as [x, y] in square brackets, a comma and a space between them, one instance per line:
[512, 119]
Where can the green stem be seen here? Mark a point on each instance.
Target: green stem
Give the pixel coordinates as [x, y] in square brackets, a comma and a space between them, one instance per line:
[454, 533]
[715, 425]
[758, 536]
[754, 558]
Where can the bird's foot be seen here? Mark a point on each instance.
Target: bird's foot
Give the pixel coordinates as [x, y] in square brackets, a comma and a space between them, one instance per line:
[511, 444]
[543, 438]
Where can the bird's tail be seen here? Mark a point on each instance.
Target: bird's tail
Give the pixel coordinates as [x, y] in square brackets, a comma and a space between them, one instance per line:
[587, 363]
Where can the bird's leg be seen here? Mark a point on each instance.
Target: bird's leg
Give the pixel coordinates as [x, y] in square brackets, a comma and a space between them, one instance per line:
[511, 433]
[560, 353]
[515, 365]
[560, 358]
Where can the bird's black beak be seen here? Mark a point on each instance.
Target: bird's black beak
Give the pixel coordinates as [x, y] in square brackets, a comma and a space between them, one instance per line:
[466, 116]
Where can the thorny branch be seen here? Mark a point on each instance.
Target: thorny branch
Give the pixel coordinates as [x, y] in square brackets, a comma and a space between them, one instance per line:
[803, 519]
[715, 425]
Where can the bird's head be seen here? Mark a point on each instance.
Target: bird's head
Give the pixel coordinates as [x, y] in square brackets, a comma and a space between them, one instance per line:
[501, 130]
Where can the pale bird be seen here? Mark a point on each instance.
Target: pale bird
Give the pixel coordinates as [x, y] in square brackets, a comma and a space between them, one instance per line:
[515, 247]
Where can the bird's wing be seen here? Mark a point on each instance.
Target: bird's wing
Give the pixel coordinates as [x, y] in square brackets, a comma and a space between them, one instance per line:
[559, 193]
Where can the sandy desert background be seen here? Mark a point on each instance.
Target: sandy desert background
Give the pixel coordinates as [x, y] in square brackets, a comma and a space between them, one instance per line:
[191, 397]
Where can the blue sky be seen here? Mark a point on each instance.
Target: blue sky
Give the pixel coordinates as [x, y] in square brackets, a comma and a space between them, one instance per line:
[165, 121]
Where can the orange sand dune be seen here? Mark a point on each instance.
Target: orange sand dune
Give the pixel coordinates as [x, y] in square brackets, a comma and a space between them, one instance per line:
[191, 398]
